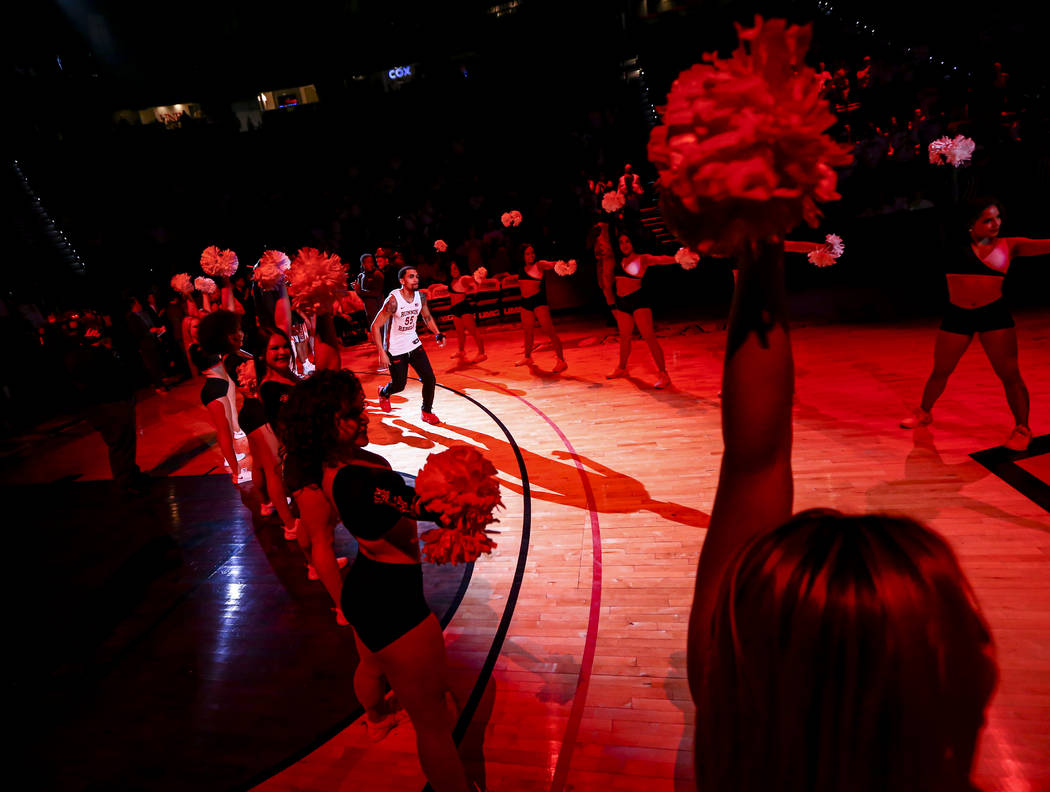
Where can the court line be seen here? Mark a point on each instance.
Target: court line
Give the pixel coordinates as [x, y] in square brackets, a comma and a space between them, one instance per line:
[572, 728]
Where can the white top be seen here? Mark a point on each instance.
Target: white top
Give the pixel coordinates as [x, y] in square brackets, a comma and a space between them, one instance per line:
[402, 337]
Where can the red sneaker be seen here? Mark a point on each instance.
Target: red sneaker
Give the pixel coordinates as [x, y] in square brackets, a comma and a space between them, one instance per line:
[1019, 438]
[384, 402]
[430, 418]
[918, 417]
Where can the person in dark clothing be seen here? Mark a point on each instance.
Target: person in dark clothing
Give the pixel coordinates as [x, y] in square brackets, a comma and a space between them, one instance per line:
[174, 317]
[386, 261]
[369, 286]
[104, 386]
[243, 293]
[146, 335]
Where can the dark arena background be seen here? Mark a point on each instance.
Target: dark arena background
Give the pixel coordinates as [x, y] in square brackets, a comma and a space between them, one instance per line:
[167, 636]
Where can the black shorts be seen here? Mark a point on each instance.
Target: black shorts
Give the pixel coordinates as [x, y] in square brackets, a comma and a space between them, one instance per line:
[463, 308]
[632, 302]
[383, 601]
[535, 301]
[967, 321]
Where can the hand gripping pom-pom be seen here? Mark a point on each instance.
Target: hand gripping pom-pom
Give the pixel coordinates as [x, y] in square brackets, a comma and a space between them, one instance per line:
[440, 246]
[613, 201]
[316, 281]
[480, 274]
[826, 254]
[219, 262]
[461, 486]
[687, 258]
[205, 285]
[820, 257]
[742, 155]
[270, 270]
[565, 268]
[182, 283]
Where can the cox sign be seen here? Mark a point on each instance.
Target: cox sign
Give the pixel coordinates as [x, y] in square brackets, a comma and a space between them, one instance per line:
[399, 72]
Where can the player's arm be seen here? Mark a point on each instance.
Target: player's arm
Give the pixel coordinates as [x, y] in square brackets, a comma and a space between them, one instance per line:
[385, 315]
[428, 318]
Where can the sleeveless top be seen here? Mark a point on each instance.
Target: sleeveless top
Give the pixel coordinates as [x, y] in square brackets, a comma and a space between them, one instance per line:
[219, 381]
[252, 415]
[274, 394]
[620, 272]
[459, 297]
[523, 274]
[214, 388]
[966, 262]
[402, 336]
[219, 387]
[374, 499]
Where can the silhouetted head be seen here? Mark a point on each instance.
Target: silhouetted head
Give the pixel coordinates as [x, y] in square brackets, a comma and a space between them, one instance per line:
[847, 653]
[220, 332]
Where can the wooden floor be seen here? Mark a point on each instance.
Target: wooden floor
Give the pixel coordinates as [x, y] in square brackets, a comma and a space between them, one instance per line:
[568, 648]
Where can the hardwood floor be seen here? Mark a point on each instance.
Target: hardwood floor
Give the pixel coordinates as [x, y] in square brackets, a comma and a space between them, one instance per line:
[568, 647]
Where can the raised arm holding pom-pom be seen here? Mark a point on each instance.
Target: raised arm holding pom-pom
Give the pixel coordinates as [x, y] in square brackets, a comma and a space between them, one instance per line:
[801, 626]
[825, 651]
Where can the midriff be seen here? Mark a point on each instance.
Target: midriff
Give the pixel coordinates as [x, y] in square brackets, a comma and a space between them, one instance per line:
[973, 291]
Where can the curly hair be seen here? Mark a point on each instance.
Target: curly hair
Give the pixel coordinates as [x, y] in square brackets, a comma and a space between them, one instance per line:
[847, 652]
[215, 329]
[308, 424]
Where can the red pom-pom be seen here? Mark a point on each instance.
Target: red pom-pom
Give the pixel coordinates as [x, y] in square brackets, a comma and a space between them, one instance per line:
[613, 201]
[219, 262]
[742, 155]
[459, 484]
[269, 272]
[316, 281]
[246, 377]
[511, 218]
[205, 285]
[182, 283]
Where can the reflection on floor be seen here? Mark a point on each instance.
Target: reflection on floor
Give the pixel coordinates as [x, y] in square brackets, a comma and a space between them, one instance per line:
[181, 627]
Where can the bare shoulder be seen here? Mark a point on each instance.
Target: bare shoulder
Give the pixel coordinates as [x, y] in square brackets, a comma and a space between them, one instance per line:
[311, 497]
[371, 459]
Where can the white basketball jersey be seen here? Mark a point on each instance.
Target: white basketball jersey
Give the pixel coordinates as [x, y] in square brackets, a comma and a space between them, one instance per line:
[402, 336]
